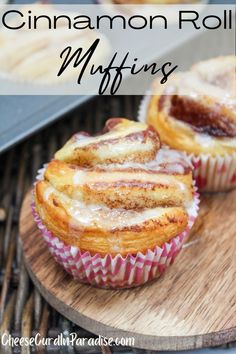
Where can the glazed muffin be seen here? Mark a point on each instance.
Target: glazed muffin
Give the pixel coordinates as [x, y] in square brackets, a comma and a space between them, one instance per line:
[119, 199]
[196, 113]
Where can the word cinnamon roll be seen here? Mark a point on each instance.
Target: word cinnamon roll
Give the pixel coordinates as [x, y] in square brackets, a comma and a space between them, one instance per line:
[196, 113]
[118, 194]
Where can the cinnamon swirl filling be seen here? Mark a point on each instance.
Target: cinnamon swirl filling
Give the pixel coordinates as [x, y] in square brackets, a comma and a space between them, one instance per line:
[203, 119]
[197, 104]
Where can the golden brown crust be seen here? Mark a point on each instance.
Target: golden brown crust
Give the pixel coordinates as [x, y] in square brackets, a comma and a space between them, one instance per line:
[53, 209]
[192, 119]
[123, 141]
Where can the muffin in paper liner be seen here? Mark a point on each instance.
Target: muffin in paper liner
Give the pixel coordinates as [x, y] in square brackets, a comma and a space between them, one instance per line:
[115, 271]
[211, 173]
[214, 174]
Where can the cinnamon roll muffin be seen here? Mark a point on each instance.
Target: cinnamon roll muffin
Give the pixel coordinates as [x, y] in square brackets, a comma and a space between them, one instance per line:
[118, 201]
[196, 113]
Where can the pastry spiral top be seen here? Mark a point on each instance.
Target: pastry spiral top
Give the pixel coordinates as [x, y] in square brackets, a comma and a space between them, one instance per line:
[196, 111]
[122, 141]
[133, 198]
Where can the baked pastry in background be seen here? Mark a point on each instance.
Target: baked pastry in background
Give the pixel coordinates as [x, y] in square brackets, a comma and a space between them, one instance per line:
[35, 56]
[153, 2]
[127, 203]
[195, 112]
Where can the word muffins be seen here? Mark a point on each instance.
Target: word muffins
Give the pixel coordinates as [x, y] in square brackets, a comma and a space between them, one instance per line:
[196, 113]
[115, 209]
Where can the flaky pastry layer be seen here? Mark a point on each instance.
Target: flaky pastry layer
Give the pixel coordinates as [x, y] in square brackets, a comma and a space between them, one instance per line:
[121, 187]
[114, 231]
[123, 141]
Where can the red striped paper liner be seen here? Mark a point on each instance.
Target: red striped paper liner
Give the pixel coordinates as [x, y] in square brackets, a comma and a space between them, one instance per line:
[114, 272]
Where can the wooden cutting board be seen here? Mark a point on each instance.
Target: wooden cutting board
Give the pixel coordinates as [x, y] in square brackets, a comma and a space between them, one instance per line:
[193, 305]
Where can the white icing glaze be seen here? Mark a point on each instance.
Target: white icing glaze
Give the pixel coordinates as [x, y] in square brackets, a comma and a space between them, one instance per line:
[204, 140]
[166, 160]
[47, 193]
[99, 216]
[166, 163]
[79, 177]
[124, 175]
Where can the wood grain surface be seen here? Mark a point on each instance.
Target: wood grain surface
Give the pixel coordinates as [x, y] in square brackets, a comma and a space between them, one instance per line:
[192, 305]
